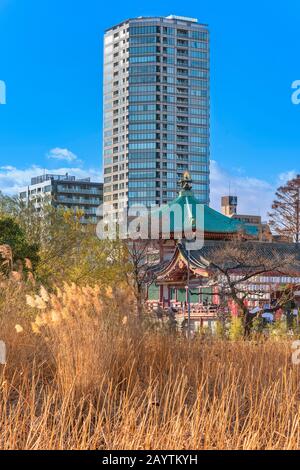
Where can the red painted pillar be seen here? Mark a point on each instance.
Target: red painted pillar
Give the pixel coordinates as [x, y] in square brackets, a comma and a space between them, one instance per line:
[216, 298]
[161, 294]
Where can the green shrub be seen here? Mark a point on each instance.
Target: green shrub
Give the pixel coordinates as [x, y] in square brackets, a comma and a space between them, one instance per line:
[236, 330]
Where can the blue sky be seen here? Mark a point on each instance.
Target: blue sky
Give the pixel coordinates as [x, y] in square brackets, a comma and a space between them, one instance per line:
[51, 61]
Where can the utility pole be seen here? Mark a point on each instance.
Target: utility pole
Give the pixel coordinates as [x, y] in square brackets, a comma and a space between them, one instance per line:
[188, 296]
[297, 215]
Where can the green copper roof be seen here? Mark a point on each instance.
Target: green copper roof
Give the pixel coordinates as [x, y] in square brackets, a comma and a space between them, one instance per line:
[212, 220]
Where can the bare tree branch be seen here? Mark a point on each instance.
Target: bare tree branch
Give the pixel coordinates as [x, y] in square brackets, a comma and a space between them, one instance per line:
[285, 215]
[235, 264]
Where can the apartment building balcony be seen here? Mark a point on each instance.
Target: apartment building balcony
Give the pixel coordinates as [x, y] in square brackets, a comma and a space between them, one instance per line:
[86, 202]
[182, 119]
[96, 192]
[182, 52]
[183, 72]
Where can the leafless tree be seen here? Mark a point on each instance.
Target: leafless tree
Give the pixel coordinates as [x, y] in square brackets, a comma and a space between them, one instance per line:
[234, 265]
[139, 272]
[285, 215]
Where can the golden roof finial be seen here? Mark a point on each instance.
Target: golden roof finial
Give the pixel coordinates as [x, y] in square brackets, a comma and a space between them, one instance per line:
[186, 182]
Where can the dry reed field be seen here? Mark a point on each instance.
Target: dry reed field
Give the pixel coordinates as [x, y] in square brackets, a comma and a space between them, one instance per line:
[82, 374]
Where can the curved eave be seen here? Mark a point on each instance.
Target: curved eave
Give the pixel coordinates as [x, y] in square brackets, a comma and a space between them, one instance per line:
[196, 266]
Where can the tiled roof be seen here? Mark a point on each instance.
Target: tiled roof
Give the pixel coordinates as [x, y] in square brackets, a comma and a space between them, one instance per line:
[212, 249]
[261, 250]
[213, 221]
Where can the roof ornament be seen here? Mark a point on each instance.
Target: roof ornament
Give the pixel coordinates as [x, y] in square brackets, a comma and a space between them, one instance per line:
[186, 182]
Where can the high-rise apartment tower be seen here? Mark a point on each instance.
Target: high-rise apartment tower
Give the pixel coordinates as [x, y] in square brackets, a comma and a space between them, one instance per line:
[156, 110]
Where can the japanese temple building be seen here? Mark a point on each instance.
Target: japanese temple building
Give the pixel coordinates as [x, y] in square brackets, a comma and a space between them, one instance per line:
[179, 265]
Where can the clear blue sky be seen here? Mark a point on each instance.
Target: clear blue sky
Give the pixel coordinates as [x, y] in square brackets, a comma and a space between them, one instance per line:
[51, 61]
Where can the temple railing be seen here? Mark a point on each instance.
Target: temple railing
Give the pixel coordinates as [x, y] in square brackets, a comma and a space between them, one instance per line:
[198, 311]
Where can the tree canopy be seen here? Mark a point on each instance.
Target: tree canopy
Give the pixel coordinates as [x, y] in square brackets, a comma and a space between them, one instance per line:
[13, 235]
